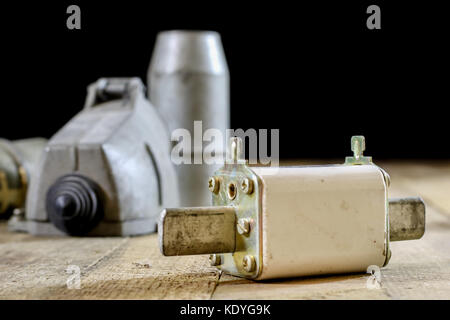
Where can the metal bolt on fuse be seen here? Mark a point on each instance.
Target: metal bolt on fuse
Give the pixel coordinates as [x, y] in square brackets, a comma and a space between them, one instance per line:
[243, 226]
[213, 184]
[249, 263]
[214, 259]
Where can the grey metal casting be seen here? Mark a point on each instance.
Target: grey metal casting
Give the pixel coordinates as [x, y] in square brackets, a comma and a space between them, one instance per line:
[107, 172]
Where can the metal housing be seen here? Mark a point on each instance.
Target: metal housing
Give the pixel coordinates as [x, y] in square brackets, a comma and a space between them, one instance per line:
[119, 142]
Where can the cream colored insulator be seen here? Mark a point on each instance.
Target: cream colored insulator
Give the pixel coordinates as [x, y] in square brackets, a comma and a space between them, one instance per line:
[274, 222]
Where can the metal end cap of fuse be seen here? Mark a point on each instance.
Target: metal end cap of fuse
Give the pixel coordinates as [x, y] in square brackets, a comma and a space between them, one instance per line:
[73, 204]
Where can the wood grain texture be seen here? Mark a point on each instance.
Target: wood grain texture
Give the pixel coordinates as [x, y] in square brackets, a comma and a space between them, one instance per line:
[111, 268]
[32, 269]
[420, 269]
[138, 271]
[133, 268]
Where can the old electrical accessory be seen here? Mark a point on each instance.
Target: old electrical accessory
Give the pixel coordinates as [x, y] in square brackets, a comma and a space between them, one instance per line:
[107, 172]
[274, 222]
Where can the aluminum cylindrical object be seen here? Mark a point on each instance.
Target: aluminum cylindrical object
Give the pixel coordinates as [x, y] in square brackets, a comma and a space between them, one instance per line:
[188, 80]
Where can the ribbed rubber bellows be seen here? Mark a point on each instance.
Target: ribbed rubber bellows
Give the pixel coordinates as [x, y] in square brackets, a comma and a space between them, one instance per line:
[73, 204]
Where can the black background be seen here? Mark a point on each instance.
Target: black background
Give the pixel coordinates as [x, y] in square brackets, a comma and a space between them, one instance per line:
[313, 70]
[279, 309]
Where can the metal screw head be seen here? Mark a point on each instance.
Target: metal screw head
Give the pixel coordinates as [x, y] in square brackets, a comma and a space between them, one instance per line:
[213, 184]
[243, 226]
[247, 185]
[215, 260]
[249, 263]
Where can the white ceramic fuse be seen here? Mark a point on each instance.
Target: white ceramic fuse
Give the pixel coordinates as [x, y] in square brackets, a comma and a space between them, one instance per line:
[269, 222]
[322, 220]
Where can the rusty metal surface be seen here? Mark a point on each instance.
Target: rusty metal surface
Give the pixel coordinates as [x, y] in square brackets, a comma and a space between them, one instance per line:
[201, 230]
[247, 206]
[406, 218]
[236, 188]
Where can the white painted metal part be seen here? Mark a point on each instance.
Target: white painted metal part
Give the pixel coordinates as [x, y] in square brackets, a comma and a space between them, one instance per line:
[322, 220]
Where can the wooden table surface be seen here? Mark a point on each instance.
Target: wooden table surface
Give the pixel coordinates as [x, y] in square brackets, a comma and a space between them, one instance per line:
[132, 268]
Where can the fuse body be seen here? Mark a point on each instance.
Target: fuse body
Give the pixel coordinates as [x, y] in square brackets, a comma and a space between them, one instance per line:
[322, 220]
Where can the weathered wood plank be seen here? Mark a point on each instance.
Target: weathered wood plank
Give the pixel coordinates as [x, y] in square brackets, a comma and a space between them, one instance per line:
[6, 236]
[30, 269]
[420, 269]
[138, 271]
[111, 268]
[132, 268]
[430, 179]
[326, 287]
